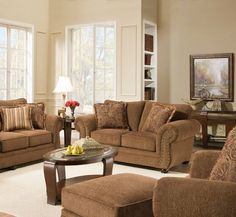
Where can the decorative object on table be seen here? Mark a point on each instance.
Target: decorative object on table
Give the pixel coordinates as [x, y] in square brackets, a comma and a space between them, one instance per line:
[72, 104]
[63, 86]
[211, 77]
[74, 150]
[88, 143]
[62, 112]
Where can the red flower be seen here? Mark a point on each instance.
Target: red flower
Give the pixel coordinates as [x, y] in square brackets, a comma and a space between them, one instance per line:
[72, 103]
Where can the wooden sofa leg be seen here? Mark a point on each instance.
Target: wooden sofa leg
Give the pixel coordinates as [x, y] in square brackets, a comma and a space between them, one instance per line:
[164, 170]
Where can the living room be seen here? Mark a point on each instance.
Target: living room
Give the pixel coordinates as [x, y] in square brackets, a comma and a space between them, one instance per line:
[182, 28]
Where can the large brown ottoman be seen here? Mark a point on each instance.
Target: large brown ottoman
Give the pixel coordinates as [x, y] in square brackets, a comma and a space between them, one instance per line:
[121, 195]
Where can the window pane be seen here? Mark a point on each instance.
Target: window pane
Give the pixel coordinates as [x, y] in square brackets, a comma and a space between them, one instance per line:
[18, 59]
[110, 37]
[13, 38]
[3, 58]
[3, 79]
[99, 80]
[100, 36]
[109, 57]
[3, 94]
[3, 36]
[100, 58]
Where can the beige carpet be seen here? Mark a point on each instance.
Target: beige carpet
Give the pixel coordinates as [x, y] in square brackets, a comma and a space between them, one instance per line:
[23, 193]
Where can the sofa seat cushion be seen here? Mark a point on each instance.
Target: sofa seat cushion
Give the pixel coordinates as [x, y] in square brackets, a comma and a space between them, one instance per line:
[11, 141]
[108, 136]
[37, 137]
[139, 140]
[118, 195]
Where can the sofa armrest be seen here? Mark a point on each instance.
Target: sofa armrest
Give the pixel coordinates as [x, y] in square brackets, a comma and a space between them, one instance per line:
[54, 124]
[175, 138]
[202, 163]
[85, 124]
[184, 197]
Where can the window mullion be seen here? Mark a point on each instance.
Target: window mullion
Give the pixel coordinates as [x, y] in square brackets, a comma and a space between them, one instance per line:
[8, 75]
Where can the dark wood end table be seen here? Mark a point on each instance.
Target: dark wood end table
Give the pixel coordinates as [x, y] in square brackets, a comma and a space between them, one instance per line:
[67, 130]
[55, 162]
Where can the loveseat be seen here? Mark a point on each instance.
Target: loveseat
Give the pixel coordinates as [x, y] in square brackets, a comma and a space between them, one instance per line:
[170, 145]
[20, 143]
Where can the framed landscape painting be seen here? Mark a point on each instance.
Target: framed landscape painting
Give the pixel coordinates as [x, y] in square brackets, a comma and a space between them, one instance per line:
[211, 76]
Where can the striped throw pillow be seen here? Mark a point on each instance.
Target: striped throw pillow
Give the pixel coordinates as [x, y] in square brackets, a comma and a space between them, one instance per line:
[16, 118]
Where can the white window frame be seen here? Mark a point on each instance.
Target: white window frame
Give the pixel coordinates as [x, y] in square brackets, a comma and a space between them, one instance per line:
[68, 46]
[30, 74]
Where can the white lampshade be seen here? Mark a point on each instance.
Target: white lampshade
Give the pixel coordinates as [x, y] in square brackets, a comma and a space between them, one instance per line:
[63, 85]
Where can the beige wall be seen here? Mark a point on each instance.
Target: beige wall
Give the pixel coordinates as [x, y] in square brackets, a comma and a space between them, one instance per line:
[190, 27]
[34, 12]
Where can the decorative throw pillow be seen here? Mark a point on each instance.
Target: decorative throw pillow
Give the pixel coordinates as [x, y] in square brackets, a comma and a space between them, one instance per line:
[16, 118]
[225, 167]
[110, 115]
[37, 115]
[125, 118]
[158, 116]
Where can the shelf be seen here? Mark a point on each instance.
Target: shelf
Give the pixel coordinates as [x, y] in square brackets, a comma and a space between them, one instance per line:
[149, 67]
[148, 81]
[149, 52]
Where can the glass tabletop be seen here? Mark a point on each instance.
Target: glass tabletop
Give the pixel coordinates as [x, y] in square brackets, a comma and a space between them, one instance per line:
[59, 155]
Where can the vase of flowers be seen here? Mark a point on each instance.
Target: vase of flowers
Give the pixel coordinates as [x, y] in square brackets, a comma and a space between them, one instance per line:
[72, 104]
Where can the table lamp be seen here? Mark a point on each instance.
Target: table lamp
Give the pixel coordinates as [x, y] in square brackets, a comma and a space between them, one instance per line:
[63, 86]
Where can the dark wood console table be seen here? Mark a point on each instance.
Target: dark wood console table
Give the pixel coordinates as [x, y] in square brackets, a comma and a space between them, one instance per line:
[227, 118]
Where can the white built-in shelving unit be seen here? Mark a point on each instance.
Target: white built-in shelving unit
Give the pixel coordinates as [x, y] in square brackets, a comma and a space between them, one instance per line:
[149, 60]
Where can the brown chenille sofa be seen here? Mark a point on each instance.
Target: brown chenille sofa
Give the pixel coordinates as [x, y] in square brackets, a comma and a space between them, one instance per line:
[170, 146]
[21, 145]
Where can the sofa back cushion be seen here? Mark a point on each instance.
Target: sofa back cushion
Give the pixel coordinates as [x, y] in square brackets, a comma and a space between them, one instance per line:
[182, 112]
[147, 108]
[159, 115]
[38, 115]
[111, 115]
[225, 167]
[13, 102]
[16, 118]
[134, 112]
[10, 104]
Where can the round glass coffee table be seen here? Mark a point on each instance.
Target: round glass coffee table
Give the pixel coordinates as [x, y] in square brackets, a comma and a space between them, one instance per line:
[54, 168]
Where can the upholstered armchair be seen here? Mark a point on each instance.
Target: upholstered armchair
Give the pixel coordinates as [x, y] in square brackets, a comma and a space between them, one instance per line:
[198, 195]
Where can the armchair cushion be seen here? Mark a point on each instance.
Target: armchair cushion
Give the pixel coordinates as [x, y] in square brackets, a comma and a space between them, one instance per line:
[225, 167]
[158, 116]
[110, 115]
